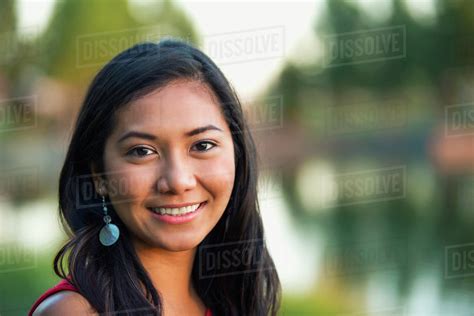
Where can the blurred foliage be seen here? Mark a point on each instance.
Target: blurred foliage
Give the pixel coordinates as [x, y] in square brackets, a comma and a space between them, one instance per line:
[434, 51]
[7, 15]
[436, 72]
[21, 287]
[96, 21]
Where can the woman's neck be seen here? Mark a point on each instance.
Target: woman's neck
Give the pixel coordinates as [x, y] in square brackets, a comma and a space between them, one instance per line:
[171, 274]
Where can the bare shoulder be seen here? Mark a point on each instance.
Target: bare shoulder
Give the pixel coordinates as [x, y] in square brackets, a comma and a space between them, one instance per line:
[64, 303]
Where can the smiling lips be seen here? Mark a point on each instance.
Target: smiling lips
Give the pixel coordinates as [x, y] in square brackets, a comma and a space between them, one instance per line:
[178, 215]
[176, 210]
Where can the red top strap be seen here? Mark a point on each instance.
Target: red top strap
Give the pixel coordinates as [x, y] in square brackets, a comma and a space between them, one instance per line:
[64, 285]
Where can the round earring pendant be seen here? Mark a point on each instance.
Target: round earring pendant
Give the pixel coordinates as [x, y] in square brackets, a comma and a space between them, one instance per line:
[109, 234]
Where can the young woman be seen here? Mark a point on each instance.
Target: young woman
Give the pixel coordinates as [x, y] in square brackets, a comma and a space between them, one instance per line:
[158, 193]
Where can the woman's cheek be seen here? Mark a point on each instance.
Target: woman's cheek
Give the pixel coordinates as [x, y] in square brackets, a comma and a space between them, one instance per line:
[129, 184]
[219, 176]
[130, 188]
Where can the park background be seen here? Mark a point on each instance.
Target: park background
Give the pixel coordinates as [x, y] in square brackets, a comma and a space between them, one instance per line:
[363, 116]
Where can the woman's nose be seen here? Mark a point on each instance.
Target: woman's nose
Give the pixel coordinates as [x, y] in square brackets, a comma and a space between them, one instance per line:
[176, 176]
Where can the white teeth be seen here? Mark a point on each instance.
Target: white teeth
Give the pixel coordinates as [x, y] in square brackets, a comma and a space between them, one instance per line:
[176, 211]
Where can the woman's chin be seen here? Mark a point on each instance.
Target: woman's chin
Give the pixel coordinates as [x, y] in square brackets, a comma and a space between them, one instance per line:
[178, 244]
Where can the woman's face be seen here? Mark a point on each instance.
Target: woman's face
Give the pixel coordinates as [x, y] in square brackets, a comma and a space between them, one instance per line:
[152, 159]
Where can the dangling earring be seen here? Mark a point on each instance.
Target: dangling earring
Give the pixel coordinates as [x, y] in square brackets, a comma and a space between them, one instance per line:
[109, 234]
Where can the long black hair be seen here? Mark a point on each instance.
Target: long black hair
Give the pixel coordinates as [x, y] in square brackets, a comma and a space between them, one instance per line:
[112, 279]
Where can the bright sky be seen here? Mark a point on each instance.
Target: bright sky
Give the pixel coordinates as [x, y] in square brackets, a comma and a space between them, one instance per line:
[213, 18]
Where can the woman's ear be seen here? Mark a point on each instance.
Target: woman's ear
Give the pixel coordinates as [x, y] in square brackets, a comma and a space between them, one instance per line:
[98, 180]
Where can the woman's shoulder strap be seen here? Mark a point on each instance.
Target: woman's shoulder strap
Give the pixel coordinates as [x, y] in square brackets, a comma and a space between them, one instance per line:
[63, 285]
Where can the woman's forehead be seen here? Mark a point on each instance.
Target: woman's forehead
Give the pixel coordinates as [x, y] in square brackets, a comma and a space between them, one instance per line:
[179, 106]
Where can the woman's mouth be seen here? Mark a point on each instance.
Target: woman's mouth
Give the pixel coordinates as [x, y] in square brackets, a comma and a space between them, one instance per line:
[177, 215]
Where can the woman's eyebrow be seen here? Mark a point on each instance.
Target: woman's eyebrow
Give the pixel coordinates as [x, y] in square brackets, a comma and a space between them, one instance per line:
[143, 135]
[200, 130]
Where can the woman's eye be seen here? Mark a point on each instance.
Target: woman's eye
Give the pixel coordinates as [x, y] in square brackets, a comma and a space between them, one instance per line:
[206, 145]
[139, 152]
